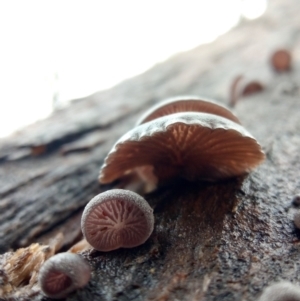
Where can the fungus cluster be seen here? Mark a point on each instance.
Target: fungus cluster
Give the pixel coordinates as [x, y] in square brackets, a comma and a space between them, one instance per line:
[280, 61]
[183, 137]
[114, 219]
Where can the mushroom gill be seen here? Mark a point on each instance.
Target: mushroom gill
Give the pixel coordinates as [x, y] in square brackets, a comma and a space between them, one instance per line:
[194, 146]
[117, 219]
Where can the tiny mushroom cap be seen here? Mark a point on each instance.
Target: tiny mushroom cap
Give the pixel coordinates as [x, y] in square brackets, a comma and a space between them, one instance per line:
[62, 274]
[243, 87]
[186, 104]
[252, 88]
[117, 219]
[195, 146]
[281, 291]
[281, 60]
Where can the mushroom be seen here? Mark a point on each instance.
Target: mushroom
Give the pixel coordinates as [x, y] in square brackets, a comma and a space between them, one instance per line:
[117, 219]
[252, 87]
[62, 274]
[194, 146]
[281, 60]
[186, 104]
[281, 291]
[242, 87]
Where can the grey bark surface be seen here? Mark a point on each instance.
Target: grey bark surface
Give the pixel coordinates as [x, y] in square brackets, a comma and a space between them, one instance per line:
[222, 241]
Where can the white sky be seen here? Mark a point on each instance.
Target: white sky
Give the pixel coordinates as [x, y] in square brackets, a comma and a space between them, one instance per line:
[72, 48]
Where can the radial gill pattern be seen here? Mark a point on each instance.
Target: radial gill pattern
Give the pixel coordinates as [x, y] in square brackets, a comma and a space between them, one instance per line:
[186, 104]
[62, 274]
[117, 218]
[195, 146]
[56, 282]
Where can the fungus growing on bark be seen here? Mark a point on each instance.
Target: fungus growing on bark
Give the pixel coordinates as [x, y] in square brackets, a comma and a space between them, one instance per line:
[194, 146]
[117, 219]
[62, 274]
[281, 60]
[281, 291]
[186, 104]
[242, 87]
[252, 88]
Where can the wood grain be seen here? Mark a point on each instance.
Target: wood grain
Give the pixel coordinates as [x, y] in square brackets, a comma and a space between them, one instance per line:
[223, 241]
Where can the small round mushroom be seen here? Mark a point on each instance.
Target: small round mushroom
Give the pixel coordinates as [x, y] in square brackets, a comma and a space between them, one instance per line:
[243, 87]
[186, 104]
[252, 87]
[194, 146]
[281, 60]
[117, 219]
[62, 274]
[281, 291]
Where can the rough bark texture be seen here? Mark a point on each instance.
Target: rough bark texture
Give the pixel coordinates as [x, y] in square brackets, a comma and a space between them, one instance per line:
[223, 241]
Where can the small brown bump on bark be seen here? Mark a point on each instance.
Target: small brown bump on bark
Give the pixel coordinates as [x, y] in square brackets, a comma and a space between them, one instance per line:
[38, 150]
[242, 87]
[281, 60]
[252, 88]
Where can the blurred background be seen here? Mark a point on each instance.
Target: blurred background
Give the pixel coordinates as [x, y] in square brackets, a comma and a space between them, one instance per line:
[55, 51]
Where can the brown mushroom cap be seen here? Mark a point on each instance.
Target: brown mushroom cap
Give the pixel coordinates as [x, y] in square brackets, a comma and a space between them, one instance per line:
[281, 60]
[195, 146]
[186, 104]
[117, 219]
[252, 88]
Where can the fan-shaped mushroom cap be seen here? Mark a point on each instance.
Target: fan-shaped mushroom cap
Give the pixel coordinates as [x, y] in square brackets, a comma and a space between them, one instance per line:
[62, 274]
[117, 219]
[186, 104]
[195, 146]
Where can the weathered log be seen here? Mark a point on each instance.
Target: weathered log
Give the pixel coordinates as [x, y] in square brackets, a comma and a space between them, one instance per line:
[221, 241]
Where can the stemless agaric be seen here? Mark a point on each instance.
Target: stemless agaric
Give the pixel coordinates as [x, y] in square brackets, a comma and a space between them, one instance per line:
[117, 219]
[190, 145]
[62, 274]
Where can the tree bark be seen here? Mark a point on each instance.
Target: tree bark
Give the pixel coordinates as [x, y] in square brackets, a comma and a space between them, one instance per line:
[221, 241]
